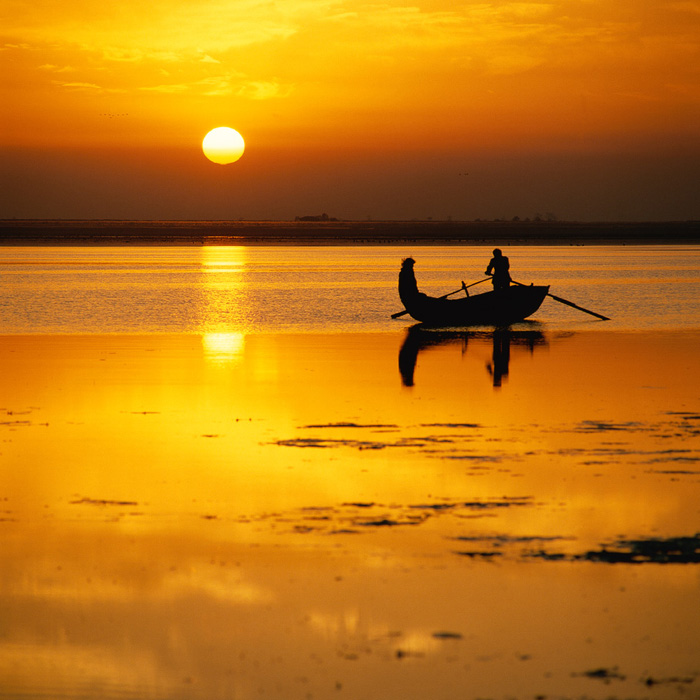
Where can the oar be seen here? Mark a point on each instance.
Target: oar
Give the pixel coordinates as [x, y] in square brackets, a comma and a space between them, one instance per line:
[569, 303]
[463, 288]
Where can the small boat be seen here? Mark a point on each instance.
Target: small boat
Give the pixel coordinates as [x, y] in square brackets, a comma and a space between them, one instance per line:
[499, 307]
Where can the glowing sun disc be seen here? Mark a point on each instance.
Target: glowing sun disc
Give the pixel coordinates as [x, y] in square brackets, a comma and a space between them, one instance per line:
[223, 145]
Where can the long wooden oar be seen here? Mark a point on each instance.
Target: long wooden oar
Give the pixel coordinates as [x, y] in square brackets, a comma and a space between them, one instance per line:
[463, 288]
[569, 303]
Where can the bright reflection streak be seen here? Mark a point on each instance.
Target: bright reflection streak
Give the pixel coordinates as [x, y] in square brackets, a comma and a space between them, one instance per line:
[223, 347]
[222, 268]
[226, 258]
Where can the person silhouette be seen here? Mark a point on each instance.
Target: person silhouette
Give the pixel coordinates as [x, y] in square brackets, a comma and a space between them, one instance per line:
[498, 270]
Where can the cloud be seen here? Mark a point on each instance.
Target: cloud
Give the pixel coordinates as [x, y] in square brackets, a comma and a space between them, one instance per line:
[80, 86]
[133, 27]
[223, 85]
[263, 90]
[56, 69]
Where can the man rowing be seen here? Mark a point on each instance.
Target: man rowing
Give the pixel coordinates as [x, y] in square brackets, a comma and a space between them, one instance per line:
[498, 269]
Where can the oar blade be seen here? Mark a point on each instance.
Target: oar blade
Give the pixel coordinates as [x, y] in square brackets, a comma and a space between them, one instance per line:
[580, 308]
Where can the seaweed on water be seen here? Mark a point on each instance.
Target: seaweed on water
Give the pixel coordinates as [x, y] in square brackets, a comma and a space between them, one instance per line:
[447, 635]
[595, 426]
[386, 522]
[650, 681]
[479, 555]
[672, 550]
[450, 425]
[349, 425]
[604, 674]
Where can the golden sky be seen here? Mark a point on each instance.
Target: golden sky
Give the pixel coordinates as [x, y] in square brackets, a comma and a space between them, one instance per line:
[352, 88]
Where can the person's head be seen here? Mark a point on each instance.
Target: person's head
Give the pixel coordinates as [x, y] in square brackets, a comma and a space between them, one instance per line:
[497, 252]
[408, 262]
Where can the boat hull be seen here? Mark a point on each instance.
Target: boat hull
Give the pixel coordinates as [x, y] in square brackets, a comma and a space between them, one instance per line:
[499, 307]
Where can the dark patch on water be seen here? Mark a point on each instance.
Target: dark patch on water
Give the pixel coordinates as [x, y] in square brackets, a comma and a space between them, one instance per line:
[500, 540]
[604, 674]
[479, 555]
[491, 459]
[373, 426]
[409, 442]
[500, 544]
[672, 550]
[653, 550]
[674, 472]
[594, 426]
[684, 415]
[447, 635]
[352, 518]
[450, 425]
[506, 502]
[434, 506]
[330, 443]
[101, 502]
[650, 681]
[547, 556]
[386, 522]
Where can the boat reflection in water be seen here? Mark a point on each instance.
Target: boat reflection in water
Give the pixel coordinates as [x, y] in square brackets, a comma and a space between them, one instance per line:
[419, 338]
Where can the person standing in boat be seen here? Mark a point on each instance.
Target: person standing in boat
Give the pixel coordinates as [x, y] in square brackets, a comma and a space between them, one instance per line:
[498, 269]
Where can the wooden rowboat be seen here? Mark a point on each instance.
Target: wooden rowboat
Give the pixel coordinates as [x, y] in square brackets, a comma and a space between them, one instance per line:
[499, 307]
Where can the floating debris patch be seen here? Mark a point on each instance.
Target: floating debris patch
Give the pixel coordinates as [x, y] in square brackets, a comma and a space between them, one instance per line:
[450, 425]
[653, 550]
[500, 540]
[594, 426]
[685, 680]
[372, 426]
[604, 674]
[353, 518]
[499, 545]
[672, 550]
[447, 635]
[488, 459]
[101, 502]
[479, 555]
[314, 442]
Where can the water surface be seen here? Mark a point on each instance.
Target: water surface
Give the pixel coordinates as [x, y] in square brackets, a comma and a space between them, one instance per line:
[326, 289]
[205, 497]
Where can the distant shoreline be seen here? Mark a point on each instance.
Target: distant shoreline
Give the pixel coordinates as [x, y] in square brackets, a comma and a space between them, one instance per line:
[63, 232]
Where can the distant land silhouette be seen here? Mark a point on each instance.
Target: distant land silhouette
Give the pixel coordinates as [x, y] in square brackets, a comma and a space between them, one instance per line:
[338, 232]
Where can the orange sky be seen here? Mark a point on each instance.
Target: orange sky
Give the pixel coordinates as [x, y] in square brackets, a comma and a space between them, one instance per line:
[585, 108]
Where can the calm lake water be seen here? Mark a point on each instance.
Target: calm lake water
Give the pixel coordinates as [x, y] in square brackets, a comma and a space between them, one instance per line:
[228, 474]
[326, 289]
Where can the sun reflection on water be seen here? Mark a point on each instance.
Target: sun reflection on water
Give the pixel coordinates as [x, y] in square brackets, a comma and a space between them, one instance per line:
[223, 282]
[223, 346]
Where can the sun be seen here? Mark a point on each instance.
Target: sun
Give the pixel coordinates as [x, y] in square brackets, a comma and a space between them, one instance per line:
[223, 145]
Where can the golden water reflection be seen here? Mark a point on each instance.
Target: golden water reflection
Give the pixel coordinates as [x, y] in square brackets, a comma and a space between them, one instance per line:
[223, 346]
[222, 305]
[299, 522]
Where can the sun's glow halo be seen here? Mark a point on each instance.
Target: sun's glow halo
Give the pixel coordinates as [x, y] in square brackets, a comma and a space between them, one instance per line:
[223, 145]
